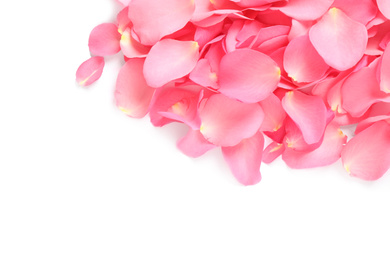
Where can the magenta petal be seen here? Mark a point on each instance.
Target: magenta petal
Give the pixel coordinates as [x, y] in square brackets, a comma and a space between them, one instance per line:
[327, 153]
[154, 19]
[308, 112]
[225, 121]
[104, 40]
[194, 144]
[169, 60]
[90, 71]
[339, 40]
[244, 159]
[132, 94]
[302, 62]
[306, 9]
[248, 75]
[366, 155]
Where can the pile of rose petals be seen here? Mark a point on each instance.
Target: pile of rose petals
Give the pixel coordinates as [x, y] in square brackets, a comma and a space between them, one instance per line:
[239, 71]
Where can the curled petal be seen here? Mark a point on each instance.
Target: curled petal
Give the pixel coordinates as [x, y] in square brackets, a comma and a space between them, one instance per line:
[132, 94]
[366, 155]
[327, 153]
[248, 75]
[244, 159]
[339, 40]
[104, 40]
[169, 60]
[308, 112]
[272, 151]
[90, 71]
[154, 19]
[225, 121]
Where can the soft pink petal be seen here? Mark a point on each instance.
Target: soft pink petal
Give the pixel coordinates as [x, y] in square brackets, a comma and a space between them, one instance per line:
[306, 9]
[203, 75]
[176, 104]
[339, 40]
[274, 113]
[299, 28]
[225, 122]
[293, 138]
[308, 112]
[90, 71]
[244, 159]
[248, 75]
[132, 94]
[385, 71]
[366, 155]
[194, 144]
[361, 90]
[123, 20]
[169, 60]
[327, 153]
[130, 47]
[154, 19]
[272, 151]
[104, 40]
[361, 11]
[302, 62]
[384, 7]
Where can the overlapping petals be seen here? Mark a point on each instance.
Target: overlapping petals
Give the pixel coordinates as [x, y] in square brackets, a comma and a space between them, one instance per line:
[259, 79]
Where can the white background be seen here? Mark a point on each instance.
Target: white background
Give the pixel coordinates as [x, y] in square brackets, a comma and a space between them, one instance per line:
[80, 180]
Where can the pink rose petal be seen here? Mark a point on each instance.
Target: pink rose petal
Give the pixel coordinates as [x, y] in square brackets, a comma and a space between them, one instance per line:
[104, 40]
[248, 75]
[169, 60]
[244, 159]
[339, 40]
[90, 71]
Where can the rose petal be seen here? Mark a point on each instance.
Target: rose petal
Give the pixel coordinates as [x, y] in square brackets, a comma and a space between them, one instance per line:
[306, 9]
[104, 40]
[194, 144]
[225, 122]
[366, 155]
[244, 159]
[339, 40]
[90, 71]
[170, 59]
[154, 19]
[132, 94]
[248, 75]
[308, 112]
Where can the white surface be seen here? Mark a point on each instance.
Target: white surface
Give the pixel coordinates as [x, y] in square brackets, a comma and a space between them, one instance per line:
[79, 180]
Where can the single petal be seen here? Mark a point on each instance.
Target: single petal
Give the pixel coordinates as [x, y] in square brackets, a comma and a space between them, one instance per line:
[308, 112]
[194, 144]
[154, 19]
[339, 40]
[225, 121]
[169, 60]
[302, 62]
[366, 155]
[104, 40]
[248, 75]
[203, 75]
[384, 7]
[244, 159]
[90, 71]
[327, 153]
[132, 94]
[306, 9]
